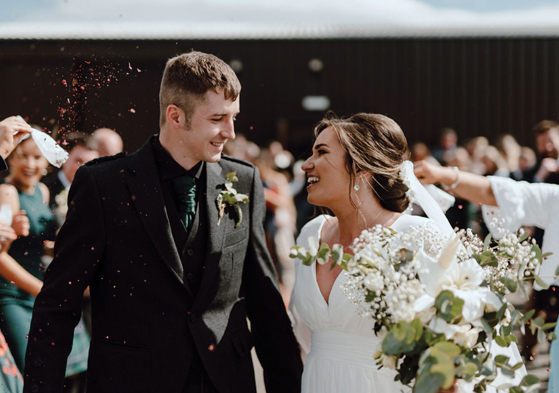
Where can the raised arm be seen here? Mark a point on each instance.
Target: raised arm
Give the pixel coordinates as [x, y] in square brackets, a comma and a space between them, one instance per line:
[473, 188]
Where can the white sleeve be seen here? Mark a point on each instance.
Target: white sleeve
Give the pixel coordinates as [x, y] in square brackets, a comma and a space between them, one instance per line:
[521, 203]
[535, 204]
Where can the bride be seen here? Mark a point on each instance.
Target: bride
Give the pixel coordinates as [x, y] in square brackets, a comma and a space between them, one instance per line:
[354, 171]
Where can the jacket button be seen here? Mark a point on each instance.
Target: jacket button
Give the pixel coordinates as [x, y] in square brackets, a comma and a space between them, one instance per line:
[189, 276]
[38, 362]
[190, 252]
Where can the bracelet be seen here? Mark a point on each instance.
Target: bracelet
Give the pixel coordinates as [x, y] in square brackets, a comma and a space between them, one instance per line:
[453, 185]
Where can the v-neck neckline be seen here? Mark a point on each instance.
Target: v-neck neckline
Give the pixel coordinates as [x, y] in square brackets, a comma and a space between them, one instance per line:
[315, 276]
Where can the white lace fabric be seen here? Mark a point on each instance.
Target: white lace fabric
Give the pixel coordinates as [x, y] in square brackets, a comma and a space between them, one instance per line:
[531, 204]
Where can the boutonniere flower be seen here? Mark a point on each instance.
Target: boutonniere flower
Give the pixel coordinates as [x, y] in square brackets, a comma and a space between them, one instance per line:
[230, 197]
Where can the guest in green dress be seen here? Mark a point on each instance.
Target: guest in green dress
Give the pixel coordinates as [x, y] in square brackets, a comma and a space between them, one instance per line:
[21, 268]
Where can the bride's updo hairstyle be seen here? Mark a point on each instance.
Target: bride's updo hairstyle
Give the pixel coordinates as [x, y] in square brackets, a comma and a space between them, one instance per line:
[375, 144]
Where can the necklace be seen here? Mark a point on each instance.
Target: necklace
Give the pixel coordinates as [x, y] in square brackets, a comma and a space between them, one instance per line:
[367, 227]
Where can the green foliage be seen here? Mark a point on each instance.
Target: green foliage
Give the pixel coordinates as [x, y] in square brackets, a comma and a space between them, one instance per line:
[449, 307]
[402, 338]
[486, 258]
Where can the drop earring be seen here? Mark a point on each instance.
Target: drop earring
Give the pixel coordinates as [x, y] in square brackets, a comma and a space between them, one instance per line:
[356, 187]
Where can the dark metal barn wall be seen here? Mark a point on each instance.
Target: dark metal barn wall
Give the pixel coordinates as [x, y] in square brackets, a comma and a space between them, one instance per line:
[479, 86]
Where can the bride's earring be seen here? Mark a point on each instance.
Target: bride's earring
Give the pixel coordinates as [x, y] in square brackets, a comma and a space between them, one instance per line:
[356, 187]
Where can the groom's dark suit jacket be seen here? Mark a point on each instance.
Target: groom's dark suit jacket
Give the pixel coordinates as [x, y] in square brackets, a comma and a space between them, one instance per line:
[147, 319]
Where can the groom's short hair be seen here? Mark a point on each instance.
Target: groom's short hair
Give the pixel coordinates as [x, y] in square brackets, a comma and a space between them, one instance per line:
[189, 76]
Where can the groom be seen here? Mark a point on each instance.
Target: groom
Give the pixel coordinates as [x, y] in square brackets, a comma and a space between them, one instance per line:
[172, 282]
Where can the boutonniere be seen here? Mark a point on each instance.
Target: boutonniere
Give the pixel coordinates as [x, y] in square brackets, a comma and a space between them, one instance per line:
[230, 197]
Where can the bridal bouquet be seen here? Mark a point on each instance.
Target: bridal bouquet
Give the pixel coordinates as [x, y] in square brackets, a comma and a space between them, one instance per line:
[438, 308]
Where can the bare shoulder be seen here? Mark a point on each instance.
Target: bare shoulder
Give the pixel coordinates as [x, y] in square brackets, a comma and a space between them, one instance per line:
[7, 191]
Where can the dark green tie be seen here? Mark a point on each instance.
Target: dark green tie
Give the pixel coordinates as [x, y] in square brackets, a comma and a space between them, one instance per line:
[184, 188]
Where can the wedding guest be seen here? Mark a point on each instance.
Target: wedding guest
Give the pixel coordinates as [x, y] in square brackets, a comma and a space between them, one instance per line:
[520, 203]
[547, 144]
[20, 265]
[527, 159]
[12, 130]
[81, 148]
[545, 302]
[11, 380]
[419, 152]
[459, 214]
[495, 164]
[108, 142]
[174, 264]
[476, 149]
[281, 218]
[511, 151]
[448, 142]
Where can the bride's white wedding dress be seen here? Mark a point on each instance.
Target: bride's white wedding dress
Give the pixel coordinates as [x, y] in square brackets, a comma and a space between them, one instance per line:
[339, 343]
[342, 343]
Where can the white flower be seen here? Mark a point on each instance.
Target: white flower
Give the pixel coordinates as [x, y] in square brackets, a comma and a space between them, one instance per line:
[374, 282]
[467, 336]
[463, 335]
[462, 279]
[313, 245]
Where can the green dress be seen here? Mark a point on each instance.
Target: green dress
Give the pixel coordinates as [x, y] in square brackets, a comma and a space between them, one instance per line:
[16, 305]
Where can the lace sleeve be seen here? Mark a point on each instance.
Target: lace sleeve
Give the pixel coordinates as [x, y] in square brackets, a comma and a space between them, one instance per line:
[521, 203]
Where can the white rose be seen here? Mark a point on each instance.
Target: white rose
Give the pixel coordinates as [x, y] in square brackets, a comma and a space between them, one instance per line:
[467, 336]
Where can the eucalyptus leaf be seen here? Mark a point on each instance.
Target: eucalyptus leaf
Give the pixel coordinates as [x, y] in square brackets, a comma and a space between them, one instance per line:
[538, 322]
[446, 369]
[536, 249]
[501, 360]
[528, 315]
[529, 380]
[486, 242]
[523, 237]
[541, 282]
[500, 340]
[429, 383]
[515, 317]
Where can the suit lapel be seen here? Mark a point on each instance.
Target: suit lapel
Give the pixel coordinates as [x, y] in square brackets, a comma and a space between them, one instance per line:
[147, 197]
[215, 181]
